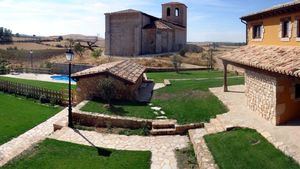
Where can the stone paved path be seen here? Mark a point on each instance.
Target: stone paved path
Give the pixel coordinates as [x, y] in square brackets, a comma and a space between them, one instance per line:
[162, 147]
[286, 138]
[17, 145]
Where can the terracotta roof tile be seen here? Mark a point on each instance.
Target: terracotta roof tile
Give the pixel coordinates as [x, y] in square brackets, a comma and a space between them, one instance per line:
[279, 59]
[126, 70]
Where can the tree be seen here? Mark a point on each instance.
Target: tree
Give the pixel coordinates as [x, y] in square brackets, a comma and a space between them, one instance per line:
[177, 61]
[5, 35]
[107, 90]
[79, 49]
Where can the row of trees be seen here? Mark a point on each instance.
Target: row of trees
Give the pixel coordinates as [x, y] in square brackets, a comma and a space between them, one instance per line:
[5, 35]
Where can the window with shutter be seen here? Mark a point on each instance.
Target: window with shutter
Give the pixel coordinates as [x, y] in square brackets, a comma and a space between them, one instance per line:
[286, 29]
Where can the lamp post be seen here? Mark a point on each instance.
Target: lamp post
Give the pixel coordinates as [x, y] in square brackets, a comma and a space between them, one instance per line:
[31, 52]
[70, 56]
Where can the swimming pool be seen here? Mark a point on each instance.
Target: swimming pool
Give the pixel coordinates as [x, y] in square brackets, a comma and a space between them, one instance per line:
[63, 78]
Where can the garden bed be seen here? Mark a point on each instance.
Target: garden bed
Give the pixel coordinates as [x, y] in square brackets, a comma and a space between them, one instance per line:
[57, 154]
[247, 149]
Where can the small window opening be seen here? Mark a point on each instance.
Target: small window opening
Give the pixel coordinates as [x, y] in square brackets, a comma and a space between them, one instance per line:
[168, 11]
[257, 31]
[176, 12]
[297, 91]
[298, 28]
[285, 28]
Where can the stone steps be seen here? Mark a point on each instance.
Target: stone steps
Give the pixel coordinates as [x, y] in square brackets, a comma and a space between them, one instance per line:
[167, 131]
[163, 124]
[163, 127]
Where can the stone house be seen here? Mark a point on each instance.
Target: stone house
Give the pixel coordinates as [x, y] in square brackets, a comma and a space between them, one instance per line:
[133, 33]
[127, 76]
[272, 62]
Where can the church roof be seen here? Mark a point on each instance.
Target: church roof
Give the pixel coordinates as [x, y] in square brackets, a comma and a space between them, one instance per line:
[174, 3]
[157, 25]
[280, 9]
[278, 59]
[126, 70]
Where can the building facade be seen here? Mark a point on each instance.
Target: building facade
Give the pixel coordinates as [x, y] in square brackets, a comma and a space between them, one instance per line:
[272, 62]
[133, 33]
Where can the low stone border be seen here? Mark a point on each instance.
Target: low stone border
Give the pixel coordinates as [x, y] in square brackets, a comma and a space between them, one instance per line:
[102, 120]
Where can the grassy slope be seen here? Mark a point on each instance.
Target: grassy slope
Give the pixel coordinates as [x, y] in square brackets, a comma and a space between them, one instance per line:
[121, 108]
[190, 101]
[160, 76]
[247, 149]
[43, 84]
[19, 115]
[56, 154]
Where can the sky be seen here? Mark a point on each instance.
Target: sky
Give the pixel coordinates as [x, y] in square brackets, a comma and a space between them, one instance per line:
[208, 20]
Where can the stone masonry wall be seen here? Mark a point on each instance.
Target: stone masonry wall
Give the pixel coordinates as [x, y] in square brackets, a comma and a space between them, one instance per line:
[261, 94]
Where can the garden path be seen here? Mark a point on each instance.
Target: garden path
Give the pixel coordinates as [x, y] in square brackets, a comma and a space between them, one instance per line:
[162, 147]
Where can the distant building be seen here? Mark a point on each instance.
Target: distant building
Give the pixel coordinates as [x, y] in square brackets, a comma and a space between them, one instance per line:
[132, 33]
[272, 62]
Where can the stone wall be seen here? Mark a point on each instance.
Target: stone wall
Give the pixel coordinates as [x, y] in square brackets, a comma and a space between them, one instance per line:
[63, 68]
[87, 87]
[261, 94]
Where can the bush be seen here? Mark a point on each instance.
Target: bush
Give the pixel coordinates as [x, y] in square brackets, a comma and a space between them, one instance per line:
[177, 61]
[182, 52]
[107, 90]
[97, 53]
[43, 99]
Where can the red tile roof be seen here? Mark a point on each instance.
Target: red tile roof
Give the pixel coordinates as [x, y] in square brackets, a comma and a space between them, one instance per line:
[126, 69]
[278, 59]
[280, 9]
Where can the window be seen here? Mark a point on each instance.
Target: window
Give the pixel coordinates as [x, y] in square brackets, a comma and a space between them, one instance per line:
[168, 11]
[297, 91]
[257, 31]
[298, 27]
[285, 29]
[176, 12]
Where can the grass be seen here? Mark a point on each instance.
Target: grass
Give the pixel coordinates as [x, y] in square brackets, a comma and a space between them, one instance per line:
[160, 76]
[17, 115]
[120, 108]
[57, 154]
[247, 149]
[36, 83]
[190, 101]
[186, 158]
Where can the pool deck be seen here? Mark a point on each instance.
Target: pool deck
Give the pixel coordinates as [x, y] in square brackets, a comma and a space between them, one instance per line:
[40, 77]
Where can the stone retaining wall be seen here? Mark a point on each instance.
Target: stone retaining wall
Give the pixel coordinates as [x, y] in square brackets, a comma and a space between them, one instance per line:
[261, 94]
[102, 120]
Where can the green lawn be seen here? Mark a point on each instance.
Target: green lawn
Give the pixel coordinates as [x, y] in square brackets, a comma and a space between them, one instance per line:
[17, 115]
[160, 76]
[43, 84]
[57, 154]
[190, 101]
[120, 108]
[186, 101]
[246, 149]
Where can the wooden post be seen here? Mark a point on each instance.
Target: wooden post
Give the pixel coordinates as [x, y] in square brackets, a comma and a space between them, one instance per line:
[225, 76]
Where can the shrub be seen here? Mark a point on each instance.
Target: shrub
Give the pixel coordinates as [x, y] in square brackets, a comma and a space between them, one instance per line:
[182, 52]
[43, 99]
[107, 90]
[97, 53]
[177, 61]
[79, 49]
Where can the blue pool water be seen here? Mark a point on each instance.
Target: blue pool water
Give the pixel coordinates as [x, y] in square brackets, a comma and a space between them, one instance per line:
[62, 78]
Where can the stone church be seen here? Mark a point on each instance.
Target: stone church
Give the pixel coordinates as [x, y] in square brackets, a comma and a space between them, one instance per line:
[133, 33]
